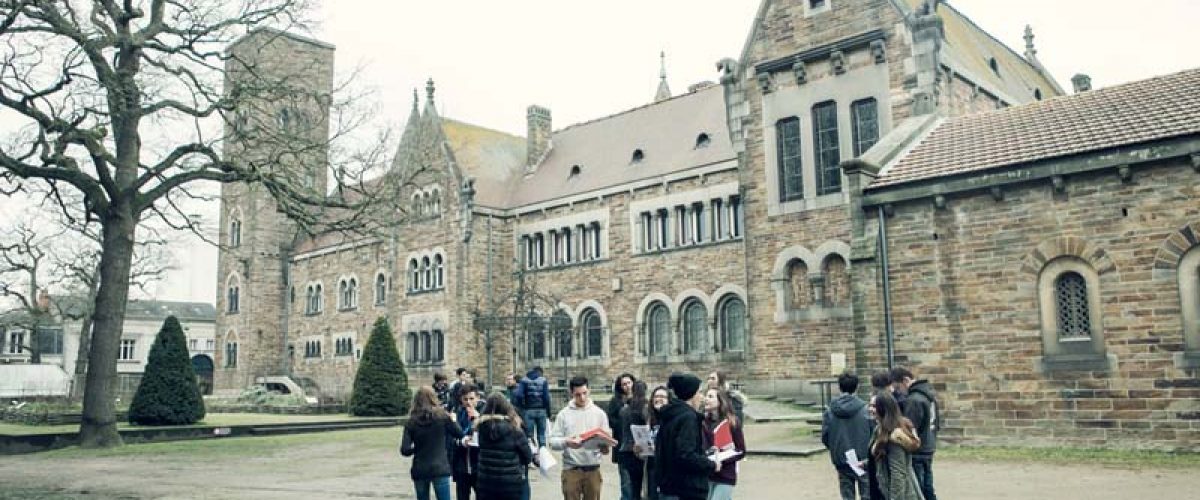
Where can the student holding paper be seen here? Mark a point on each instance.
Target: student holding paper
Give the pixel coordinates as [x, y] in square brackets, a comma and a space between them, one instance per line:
[728, 442]
[581, 431]
[845, 427]
[632, 465]
[681, 467]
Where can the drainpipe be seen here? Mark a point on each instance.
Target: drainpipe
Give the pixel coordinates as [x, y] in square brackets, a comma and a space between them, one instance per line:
[889, 332]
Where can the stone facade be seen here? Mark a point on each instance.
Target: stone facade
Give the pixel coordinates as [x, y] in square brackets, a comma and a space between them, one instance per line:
[745, 235]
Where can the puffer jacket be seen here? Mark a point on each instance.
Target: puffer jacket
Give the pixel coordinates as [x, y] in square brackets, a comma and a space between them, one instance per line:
[682, 468]
[503, 456]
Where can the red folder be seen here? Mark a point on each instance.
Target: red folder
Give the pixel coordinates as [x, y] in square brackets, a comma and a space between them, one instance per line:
[723, 436]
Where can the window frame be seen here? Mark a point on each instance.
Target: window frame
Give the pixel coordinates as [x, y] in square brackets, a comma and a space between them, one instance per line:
[694, 330]
[826, 139]
[591, 324]
[128, 350]
[723, 322]
[1070, 351]
[856, 125]
[789, 164]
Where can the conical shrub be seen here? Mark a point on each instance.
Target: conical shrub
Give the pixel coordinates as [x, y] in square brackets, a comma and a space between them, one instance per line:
[381, 384]
[168, 393]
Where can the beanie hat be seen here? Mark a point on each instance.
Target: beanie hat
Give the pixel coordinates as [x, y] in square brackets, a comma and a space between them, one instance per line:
[684, 385]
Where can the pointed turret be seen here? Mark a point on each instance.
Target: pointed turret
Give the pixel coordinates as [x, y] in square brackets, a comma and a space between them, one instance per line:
[1030, 51]
[664, 91]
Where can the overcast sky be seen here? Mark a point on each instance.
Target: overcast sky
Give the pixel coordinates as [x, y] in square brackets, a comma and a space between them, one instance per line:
[491, 59]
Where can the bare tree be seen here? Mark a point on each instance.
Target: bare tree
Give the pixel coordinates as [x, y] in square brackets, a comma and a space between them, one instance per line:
[118, 101]
[23, 259]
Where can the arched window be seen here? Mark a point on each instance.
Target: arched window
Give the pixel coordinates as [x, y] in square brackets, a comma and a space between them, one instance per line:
[319, 300]
[1189, 298]
[658, 326]
[798, 279]
[439, 346]
[439, 272]
[426, 347]
[235, 233]
[343, 295]
[232, 300]
[352, 293]
[537, 340]
[1071, 300]
[435, 200]
[597, 251]
[563, 336]
[412, 347]
[312, 299]
[695, 319]
[426, 274]
[593, 334]
[380, 289]
[414, 276]
[837, 281]
[733, 324]
[416, 207]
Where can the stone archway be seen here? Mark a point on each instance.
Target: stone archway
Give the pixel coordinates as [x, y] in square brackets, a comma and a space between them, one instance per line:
[202, 364]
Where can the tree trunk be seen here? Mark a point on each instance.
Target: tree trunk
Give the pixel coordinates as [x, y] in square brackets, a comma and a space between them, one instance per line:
[85, 340]
[99, 426]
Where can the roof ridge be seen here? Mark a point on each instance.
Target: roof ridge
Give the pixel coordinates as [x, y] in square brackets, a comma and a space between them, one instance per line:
[638, 108]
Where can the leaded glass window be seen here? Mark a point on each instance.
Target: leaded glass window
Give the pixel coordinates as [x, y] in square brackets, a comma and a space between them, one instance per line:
[563, 339]
[659, 326]
[537, 340]
[865, 117]
[825, 146]
[733, 324]
[787, 143]
[593, 332]
[694, 327]
[1071, 299]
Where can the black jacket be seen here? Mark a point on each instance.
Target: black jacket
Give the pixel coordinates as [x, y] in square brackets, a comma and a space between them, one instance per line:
[426, 439]
[922, 409]
[844, 426]
[464, 459]
[682, 468]
[503, 456]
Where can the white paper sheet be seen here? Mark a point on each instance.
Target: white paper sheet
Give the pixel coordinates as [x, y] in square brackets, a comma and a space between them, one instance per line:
[853, 461]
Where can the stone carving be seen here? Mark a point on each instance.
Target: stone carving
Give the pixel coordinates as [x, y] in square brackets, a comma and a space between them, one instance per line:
[837, 60]
[728, 68]
[764, 82]
[878, 52]
[801, 71]
[467, 194]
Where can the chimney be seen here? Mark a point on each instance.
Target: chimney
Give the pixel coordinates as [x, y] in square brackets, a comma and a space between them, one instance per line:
[43, 300]
[1082, 83]
[537, 139]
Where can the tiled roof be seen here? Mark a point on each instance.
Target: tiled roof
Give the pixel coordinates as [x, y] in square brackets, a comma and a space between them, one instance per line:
[494, 159]
[665, 132]
[1158, 108]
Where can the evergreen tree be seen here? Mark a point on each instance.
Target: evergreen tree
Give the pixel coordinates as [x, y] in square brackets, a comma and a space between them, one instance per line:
[168, 393]
[380, 385]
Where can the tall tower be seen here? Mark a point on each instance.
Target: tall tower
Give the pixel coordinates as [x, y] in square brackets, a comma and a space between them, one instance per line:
[282, 84]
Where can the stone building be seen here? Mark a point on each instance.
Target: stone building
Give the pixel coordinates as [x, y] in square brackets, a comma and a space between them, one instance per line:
[869, 181]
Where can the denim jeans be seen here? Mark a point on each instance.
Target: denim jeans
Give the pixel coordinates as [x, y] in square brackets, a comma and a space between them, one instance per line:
[441, 488]
[848, 481]
[536, 418]
[626, 492]
[720, 491]
[923, 469]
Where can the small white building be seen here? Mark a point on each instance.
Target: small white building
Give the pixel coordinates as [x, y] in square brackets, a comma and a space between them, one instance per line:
[59, 339]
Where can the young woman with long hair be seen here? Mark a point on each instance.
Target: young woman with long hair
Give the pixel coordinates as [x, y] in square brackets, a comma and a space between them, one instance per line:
[659, 398]
[892, 448]
[504, 451]
[718, 411]
[632, 466]
[425, 435]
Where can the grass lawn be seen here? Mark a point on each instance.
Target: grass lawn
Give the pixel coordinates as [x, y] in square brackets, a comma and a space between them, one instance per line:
[212, 419]
[363, 441]
[1072, 456]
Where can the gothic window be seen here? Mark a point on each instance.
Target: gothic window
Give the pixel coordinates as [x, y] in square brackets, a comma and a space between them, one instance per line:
[735, 217]
[798, 280]
[537, 340]
[733, 324]
[563, 337]
[233, 297]
[439, 346]
[593, 333]
[313, 299]
[411, 347]
[231, 354]
[825, 147]
[439, 272]
[414, 275]
[380, 289]
[417, 208]
[1189, 295]
[235, 233]
[348, 293]
[837, 281]
[1071, 301]
[787, 143]
[435, 205]
[864, 114]
[426, 347]
[426, 274]
[658, 324]
[695, 320]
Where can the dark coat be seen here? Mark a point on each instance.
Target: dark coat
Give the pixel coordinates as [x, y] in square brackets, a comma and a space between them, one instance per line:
[845, 426]
[425, 441]
[464, 459]
[614, 417]
[682, 468]
[533, 392]
[728, 473]
[921, 409]
[503, 456]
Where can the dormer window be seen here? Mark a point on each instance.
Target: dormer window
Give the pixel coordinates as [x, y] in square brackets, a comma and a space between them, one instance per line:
[702, 140]
[575, 170]
[1037, 94]
[638, 156]
[994, 65]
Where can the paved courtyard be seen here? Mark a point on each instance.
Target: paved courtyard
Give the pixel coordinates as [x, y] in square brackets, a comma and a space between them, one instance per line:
[366, 464]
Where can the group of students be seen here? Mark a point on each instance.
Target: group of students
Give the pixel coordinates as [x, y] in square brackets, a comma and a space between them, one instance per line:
[487, 444]
[893, 437]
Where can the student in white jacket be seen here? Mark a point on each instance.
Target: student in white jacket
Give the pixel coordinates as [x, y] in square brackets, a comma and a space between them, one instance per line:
[581, 463]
